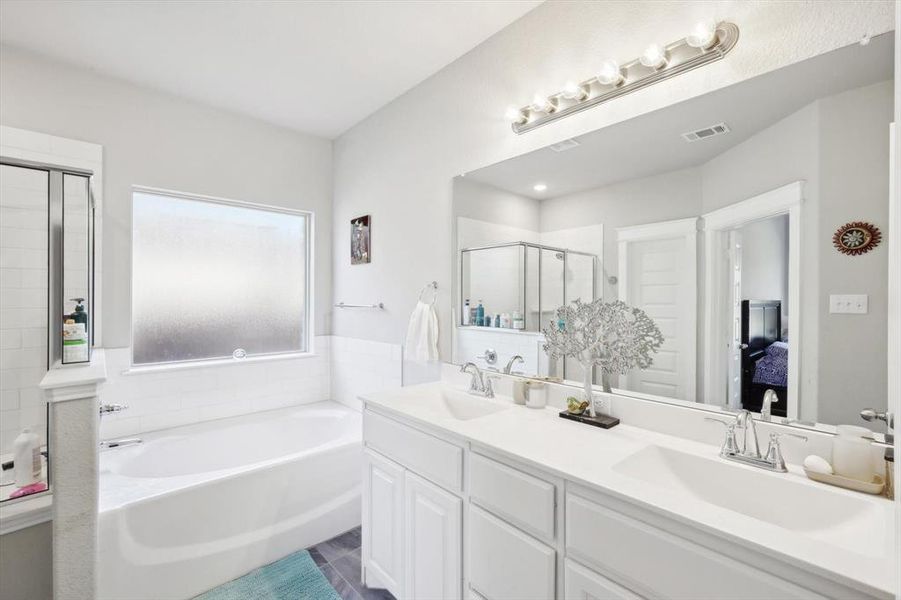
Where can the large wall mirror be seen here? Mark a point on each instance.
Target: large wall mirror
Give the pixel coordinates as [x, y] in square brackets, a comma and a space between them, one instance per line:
[744, 222]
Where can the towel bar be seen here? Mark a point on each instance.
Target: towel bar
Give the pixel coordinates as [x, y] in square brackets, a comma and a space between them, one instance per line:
[380, 305]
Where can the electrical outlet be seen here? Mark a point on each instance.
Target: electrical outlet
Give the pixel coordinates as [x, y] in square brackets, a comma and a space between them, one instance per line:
[850, 304]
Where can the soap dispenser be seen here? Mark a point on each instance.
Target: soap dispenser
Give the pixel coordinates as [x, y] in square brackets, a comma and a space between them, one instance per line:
[79, 316]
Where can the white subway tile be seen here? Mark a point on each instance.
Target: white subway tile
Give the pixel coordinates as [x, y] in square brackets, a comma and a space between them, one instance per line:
[23, 298]
[33, 278]
[9, 400]
[170, 419]
[10, 338]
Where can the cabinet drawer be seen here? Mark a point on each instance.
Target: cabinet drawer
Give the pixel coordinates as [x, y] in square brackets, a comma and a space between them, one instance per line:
[505, 563]
[584, 584]
[658, 564]
[524, 500]
[434, 459]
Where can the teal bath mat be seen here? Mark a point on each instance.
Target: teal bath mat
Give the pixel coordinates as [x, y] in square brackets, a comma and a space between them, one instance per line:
[295, 577]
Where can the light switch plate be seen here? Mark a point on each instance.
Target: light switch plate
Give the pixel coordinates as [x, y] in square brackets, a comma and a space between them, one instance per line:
[850, 304]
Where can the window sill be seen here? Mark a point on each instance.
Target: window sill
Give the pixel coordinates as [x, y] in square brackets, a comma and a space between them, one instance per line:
[224, 362]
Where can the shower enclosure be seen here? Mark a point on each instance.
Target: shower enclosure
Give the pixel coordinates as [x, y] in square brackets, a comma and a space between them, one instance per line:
[46, 290]
[530, 279]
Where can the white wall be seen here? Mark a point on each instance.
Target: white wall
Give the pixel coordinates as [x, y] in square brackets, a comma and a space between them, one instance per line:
[854, 186]
[764, 262]
[158, 140]
[398, 164]
[663, 197]
[483, 202]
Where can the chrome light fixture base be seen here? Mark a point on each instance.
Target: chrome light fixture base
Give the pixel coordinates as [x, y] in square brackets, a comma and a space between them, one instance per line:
[681, 57]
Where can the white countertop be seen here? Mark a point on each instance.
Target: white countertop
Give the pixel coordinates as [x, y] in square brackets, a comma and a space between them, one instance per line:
[587, 455]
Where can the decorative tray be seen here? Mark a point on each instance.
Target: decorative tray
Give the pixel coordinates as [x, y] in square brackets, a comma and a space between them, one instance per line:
[602, 421]
[875, 486]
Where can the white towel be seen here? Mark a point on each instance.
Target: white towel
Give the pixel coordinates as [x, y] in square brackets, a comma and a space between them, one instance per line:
[422, 334]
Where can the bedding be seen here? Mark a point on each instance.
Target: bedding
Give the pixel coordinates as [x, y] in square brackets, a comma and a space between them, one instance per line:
[772, 368]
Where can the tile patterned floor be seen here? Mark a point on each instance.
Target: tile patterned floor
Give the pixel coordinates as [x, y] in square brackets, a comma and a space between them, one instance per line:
[339, 560]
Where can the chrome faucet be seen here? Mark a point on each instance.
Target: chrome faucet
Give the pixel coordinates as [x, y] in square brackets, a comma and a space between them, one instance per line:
[766, 411]
[480, 383]
[509, 368]
[745, 421]
[748, 452]
[122, 442]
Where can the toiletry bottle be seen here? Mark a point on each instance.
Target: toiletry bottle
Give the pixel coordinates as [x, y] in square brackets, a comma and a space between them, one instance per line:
[480, 314]
[79, 316]
[518, 321]
[75, 342]
[466, 312]
[889, 490]
[26, 458]
[497, 320]
[488, 321]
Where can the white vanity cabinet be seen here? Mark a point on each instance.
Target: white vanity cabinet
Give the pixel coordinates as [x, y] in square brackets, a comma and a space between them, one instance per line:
[412, 511]
[447, 518]
[383, 521]
[432, 540]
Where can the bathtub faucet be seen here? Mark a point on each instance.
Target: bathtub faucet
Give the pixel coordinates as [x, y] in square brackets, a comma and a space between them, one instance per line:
[122, 442]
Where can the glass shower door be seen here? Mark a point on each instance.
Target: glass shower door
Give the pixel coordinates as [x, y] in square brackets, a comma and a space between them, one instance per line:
[24, 302]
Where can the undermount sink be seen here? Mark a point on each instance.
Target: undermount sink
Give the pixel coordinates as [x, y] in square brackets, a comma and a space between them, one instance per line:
[465, 407]
[813, 510]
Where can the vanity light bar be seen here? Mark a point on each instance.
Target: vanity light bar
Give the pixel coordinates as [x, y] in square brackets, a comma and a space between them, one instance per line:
[614, 80]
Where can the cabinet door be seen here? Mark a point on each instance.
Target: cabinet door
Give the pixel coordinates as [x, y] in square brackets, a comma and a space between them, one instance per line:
[432, 541]
[507, 564]
[383, 522]
[584, 584]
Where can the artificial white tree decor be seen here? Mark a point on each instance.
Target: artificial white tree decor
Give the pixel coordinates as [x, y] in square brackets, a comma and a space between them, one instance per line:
[613, 336]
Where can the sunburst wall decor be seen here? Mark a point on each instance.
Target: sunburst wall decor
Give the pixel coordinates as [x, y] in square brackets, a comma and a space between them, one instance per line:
[856, 238]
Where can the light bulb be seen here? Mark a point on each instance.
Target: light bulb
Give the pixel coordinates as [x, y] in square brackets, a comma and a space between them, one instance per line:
[654, 57]
[702, 35]
[610, 73]
[539, 187]
[541, 103]
[574, 91]
[515, 115]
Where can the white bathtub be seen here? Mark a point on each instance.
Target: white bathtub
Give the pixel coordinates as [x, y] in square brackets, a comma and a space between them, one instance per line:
[196, 506]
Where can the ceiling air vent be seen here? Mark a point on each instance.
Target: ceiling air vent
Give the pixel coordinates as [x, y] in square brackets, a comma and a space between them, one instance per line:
[706, 132]
[565, 145]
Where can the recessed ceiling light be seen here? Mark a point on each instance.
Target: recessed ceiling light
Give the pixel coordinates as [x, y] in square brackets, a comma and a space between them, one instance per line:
[539, 187]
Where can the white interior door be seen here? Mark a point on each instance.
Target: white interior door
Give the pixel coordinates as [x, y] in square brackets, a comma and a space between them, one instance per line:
[658, 275]
[734, 315]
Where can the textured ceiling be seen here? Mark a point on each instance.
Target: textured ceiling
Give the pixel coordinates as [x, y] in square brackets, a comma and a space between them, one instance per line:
[314, 66]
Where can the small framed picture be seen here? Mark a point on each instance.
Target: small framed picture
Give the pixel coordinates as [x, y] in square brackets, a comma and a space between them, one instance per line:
[360, 241]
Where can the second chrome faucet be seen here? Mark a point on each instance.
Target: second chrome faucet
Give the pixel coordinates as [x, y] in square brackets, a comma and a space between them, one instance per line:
[748, 451]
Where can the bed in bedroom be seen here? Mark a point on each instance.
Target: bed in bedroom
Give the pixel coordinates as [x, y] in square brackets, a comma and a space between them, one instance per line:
[764, 356]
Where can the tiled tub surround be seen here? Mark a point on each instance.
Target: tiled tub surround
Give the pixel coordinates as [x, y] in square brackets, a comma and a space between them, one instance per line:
[196, 506]
[170, 397]
[363, 366]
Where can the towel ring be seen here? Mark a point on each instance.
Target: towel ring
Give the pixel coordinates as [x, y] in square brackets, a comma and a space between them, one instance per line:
[432, 285]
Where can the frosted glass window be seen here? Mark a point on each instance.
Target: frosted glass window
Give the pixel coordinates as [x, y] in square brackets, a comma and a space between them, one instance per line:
[213, 280]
